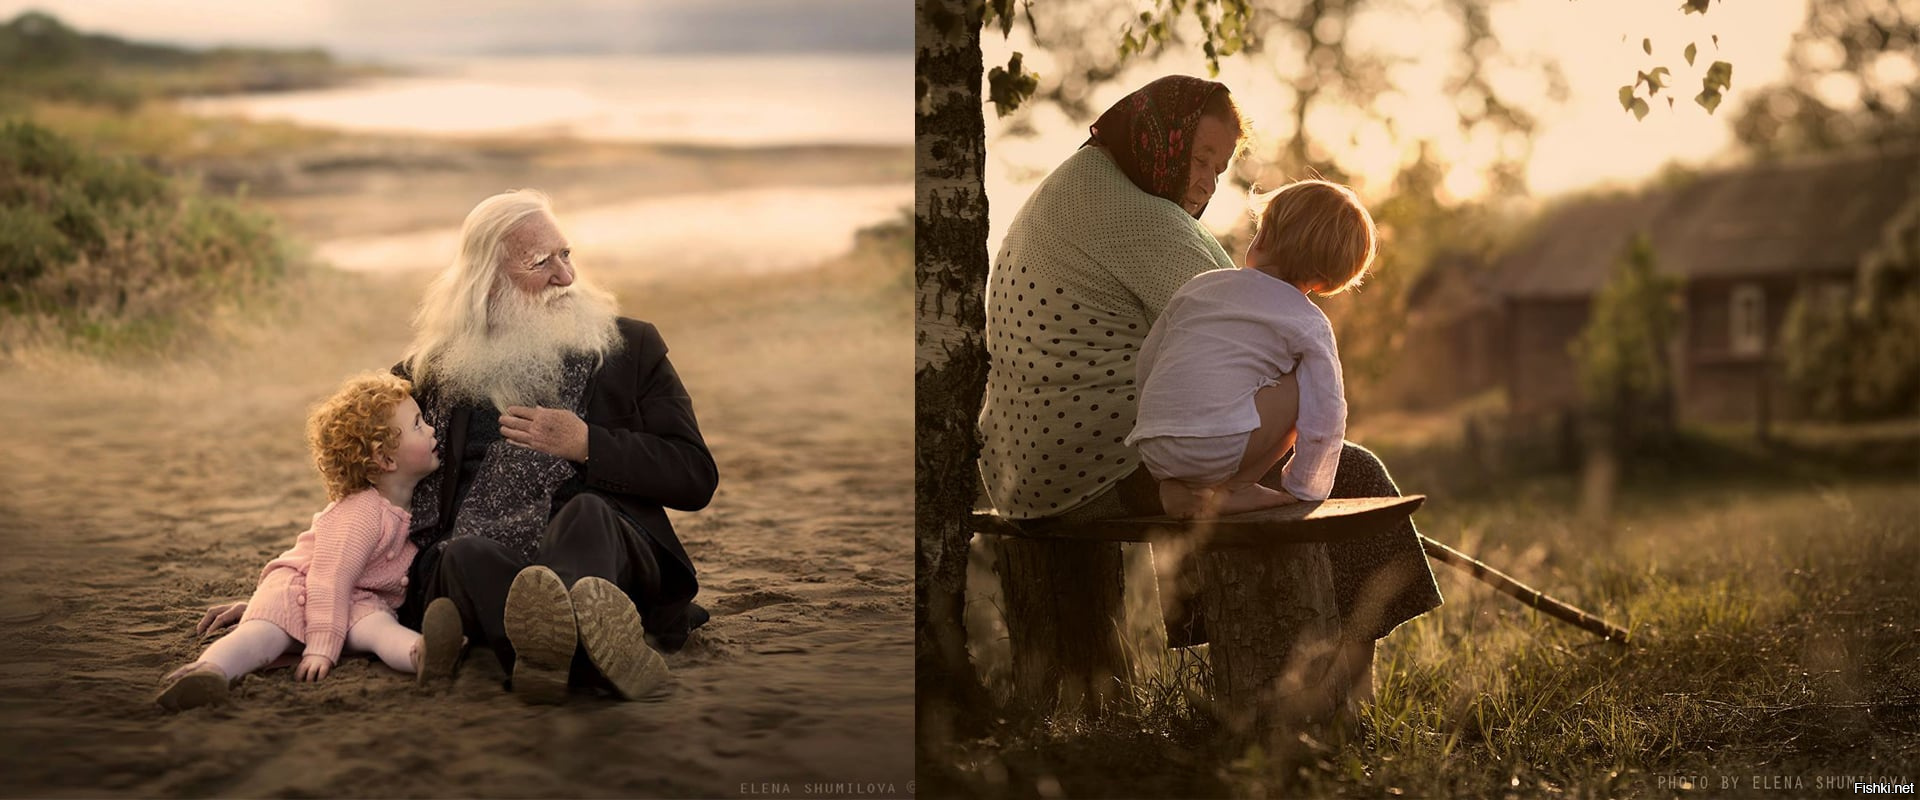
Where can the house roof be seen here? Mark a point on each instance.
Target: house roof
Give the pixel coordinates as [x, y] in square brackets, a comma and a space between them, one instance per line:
[1450, 288]
[1808, 215]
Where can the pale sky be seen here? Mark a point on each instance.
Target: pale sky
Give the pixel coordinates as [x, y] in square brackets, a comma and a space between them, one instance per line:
[403, 28]
[1588, 140]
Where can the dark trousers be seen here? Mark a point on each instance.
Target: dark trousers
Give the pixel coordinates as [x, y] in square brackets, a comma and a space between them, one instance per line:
[587, 538]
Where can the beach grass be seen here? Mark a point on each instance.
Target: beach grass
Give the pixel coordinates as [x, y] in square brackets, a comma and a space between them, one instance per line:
[108, 256]
[161, 134]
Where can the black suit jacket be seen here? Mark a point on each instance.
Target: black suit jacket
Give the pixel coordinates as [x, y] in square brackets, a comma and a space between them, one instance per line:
[644, 449]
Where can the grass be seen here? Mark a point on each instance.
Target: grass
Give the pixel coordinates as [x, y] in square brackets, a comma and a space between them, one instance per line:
[1771, 590]
[108, 256]
[103, 250]
[158, 134]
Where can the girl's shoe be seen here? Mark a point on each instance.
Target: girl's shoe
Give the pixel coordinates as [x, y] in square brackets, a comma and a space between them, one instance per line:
[611, 632]
[192, 686]
[440, 640]
[539, 621]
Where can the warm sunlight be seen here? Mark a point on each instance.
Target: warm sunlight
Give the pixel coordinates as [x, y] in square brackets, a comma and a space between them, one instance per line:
[1588, 139]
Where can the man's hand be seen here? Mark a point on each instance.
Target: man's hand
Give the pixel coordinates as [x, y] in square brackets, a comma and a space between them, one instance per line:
[312, 669]
[219, 617]
[554, 431]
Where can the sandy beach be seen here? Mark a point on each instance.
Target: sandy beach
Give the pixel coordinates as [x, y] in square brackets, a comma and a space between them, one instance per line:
[134, 495]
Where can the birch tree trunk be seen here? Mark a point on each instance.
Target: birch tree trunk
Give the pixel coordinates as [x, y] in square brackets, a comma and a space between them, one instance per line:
[950, 358]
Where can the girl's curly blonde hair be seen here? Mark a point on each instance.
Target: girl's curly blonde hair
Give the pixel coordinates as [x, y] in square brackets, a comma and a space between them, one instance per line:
[348, 432]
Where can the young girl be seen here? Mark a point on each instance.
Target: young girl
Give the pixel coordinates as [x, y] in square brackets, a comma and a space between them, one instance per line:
[1216, 412]
[339, 585]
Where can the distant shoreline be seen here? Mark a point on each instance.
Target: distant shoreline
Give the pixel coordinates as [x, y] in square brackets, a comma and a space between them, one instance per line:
[730, 101]
[322, 191]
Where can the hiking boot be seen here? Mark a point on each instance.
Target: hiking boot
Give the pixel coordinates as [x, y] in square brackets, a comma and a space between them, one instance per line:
[615, 641]
[539, 621]
[440, 641]
[193, 686]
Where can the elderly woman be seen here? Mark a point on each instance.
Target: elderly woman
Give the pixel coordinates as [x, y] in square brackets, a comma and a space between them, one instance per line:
[1088, 264]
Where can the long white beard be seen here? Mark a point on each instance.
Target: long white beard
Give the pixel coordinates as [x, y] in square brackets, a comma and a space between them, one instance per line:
[518, 361]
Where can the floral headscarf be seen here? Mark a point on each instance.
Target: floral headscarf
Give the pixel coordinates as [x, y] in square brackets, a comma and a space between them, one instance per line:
[1150, 133]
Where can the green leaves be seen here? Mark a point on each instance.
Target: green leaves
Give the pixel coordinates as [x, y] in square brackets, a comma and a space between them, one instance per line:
[1222, 36]
[1653, 80]
[1713, 87]
[1001, 11]
[1636, 105]
[1009, 86]
[1719, 75]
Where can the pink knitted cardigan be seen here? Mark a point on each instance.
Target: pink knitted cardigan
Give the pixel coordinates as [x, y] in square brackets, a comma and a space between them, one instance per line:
[352, 562]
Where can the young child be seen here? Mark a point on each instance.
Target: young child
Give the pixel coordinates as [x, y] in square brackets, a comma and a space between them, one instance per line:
[1216, 411]
[339, 585]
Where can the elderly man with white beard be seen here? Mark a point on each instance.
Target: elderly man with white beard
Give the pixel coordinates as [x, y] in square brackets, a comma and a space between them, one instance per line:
[565, 433]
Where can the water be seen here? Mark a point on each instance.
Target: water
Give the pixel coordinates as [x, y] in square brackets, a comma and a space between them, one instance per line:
[743, 231]
[741, 101]
[748, 100]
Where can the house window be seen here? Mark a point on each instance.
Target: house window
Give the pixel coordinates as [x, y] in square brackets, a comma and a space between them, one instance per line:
[1748, 335]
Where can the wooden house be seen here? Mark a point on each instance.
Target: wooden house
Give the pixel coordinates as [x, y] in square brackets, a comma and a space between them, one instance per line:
[1746, 244]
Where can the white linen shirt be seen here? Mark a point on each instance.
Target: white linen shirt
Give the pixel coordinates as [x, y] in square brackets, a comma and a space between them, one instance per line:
[1223, 336]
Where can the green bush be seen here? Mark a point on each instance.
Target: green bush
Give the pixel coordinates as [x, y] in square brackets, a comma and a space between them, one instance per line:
[1622, 354]
[1862, 360]
[109, 251]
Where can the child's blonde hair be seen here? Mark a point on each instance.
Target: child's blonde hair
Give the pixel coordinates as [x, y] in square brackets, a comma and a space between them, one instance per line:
[1315, 232]
[349, 432]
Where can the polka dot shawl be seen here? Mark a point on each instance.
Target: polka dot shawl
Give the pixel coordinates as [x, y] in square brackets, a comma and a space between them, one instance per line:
[1088, 264]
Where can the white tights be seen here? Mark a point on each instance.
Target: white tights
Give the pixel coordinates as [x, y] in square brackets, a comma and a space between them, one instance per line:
[257, 642]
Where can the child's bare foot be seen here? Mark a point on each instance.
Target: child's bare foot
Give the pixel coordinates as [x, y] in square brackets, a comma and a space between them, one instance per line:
[1181, 501]
[1251, 497]
[194, 685]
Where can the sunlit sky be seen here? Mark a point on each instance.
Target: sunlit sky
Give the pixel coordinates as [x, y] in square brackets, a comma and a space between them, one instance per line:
[736, 72]
[406, 28]
[1584, 141]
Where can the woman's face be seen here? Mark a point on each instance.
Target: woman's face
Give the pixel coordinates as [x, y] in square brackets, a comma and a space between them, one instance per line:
[1213, 143]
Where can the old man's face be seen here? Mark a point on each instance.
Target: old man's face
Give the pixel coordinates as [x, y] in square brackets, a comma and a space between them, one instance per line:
[538, 257]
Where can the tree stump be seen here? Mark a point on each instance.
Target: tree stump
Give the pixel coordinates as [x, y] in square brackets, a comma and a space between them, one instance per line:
[1065, 621]
[1274, 626]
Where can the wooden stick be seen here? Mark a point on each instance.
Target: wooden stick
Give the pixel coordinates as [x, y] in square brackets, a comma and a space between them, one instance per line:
[1532, 597]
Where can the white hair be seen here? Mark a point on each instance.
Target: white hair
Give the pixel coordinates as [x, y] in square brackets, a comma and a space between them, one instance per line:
[491, 342]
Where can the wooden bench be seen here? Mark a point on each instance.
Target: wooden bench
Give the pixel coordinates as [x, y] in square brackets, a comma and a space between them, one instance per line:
[1266, 593]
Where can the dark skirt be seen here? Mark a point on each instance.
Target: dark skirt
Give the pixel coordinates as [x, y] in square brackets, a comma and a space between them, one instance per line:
[1380, 581]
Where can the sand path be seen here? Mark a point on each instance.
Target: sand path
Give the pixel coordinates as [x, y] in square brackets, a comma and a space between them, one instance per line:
[130, 497]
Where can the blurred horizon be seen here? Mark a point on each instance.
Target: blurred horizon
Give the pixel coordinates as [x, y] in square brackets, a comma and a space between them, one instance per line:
[370, 30]
[745, 111]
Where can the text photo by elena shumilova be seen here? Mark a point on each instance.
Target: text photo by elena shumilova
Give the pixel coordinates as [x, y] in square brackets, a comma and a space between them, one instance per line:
[1415, 399]
[431, 399]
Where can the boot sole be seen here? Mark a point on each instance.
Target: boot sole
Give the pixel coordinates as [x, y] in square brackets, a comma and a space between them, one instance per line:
[440, 634]
[201, 687]
[610, 630]
[540, 624]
